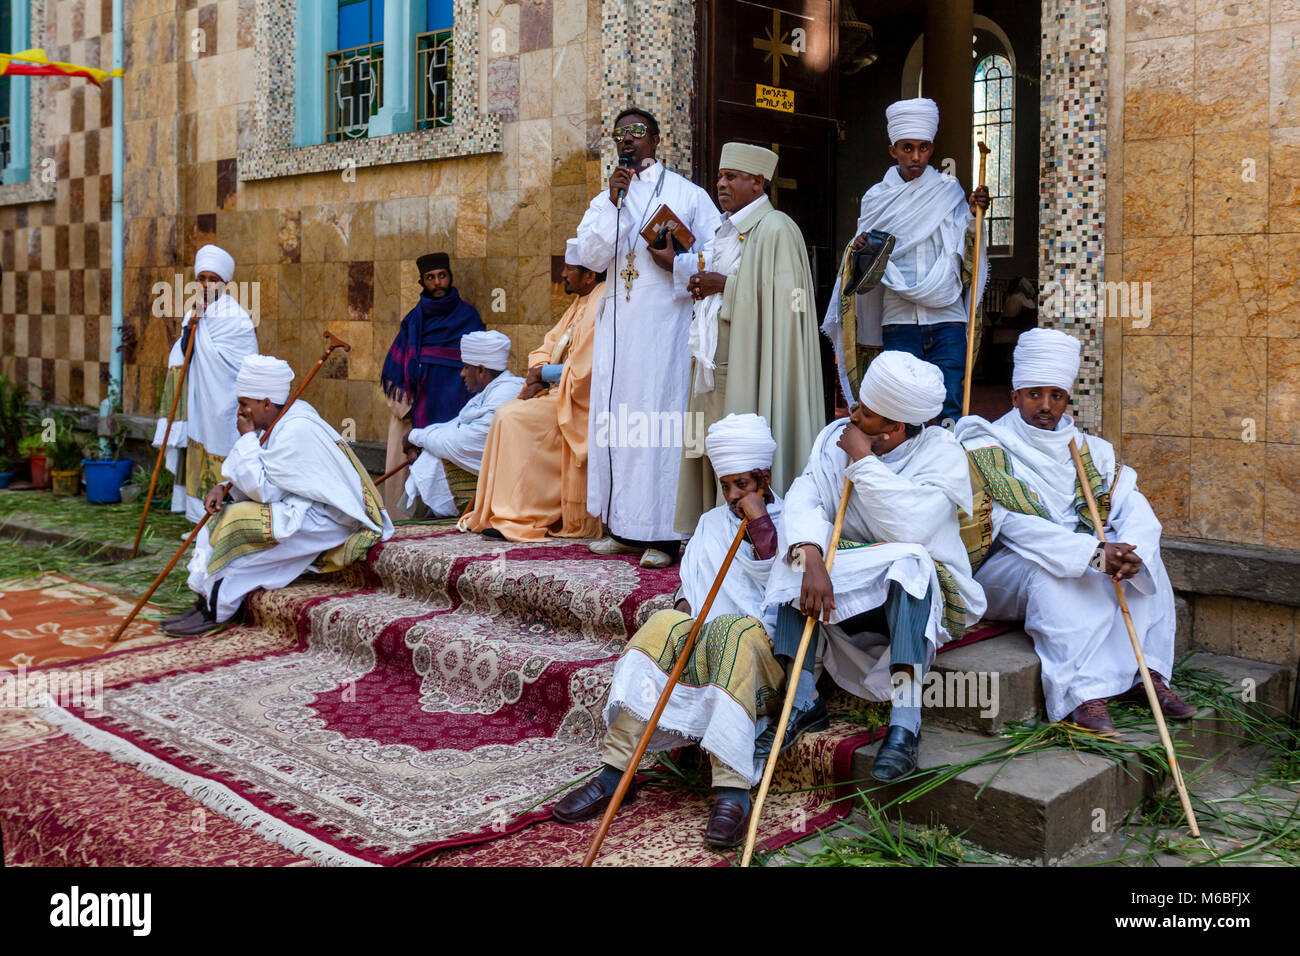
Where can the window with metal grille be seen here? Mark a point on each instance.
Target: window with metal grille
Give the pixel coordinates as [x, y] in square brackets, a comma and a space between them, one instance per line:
[354, 73]
[994, 90]
[433, 56]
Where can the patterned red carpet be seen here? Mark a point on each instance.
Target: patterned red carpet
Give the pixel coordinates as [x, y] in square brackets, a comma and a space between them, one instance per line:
[427, 707]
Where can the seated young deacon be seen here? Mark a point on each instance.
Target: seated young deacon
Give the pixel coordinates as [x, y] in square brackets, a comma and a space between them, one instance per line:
[901, 585]
[301, 501]
[1046, 564]
[731, 680]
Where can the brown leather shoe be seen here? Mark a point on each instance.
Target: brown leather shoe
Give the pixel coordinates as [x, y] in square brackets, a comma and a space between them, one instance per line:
[728, 823]
[589, 800]
[1171, 705]
[1093, 715]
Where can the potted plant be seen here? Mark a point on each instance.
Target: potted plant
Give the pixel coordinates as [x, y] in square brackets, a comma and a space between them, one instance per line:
[32, 447]
[13, 416]
[105, 468]
[65, 456]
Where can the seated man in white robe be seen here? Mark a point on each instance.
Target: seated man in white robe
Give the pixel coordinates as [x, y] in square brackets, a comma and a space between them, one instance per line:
[901, 568]
[461, 440]
[301, 501]
[1046, 564]
[731, 680]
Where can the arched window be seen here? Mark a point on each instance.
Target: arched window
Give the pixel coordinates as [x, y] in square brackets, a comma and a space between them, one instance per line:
[993, 122]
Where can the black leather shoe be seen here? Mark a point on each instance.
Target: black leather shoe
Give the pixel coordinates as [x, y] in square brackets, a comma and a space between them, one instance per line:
[201, 622]
[199, 605]
[801, 722]
[589, 800]
[492, 533]
[728, 823]
[896, 757]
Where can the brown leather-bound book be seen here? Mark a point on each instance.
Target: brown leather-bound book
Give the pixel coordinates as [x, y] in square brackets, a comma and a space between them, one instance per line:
[664, 216]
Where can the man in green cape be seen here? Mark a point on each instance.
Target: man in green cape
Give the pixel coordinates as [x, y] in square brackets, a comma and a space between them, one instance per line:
[753, 335]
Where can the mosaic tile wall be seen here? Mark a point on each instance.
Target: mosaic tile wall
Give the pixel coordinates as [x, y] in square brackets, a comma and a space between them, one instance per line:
[1205, 210]
[1072, 207]
[54, 296]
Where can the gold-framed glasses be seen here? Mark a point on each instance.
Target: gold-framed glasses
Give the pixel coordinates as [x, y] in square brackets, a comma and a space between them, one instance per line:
[636, 130]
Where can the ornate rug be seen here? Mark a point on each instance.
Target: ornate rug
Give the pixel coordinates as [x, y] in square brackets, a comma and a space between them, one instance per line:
[429, 706]
[51, 619]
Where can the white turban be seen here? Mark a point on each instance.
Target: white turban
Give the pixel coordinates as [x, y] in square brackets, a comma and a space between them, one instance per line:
[489, 349]
[739, 443]
[901, 387]
[916, 119]
[264, 376]
[1046, 357]
[573, 256]
[214, 259]
[745, 158]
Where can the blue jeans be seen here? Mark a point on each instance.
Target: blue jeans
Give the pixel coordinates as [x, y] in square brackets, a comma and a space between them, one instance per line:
[942, 344]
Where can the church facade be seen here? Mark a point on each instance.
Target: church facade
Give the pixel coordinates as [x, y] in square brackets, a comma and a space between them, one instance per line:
[1145, 161]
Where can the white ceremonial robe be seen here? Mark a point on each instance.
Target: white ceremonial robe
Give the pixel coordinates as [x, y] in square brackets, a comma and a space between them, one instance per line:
[226, 335]
[705, 714]
[906, 499]
[316, 503]
[460, 441]
[641, 355]
[929, 218]
[1038, 568]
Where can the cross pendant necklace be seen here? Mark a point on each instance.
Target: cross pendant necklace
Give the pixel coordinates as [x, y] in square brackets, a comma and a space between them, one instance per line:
[630, 273]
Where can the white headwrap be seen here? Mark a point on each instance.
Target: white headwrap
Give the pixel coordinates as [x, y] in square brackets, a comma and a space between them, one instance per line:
[214, 259]
[489, 349]
[1046, 357]
[916, 119]
[739, 443]
[745, 158]
[573, 256]
[901, 387]
[264, 376]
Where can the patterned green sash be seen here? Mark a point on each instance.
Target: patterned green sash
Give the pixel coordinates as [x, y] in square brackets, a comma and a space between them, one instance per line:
[239, 529]
[1001, 485]
[1080, 503]
[359, 543]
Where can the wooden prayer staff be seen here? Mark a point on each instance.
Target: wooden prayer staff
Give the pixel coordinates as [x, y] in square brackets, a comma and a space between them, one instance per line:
[334, 343]
[390, 472]
[974, 291]
[793, 682]
[1137, 652]
[171, 417]
[682, 657]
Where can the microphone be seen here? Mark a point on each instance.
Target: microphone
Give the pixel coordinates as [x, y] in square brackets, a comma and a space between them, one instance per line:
[627, 160]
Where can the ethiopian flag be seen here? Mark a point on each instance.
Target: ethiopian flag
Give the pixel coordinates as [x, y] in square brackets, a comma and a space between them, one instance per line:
[36, 63]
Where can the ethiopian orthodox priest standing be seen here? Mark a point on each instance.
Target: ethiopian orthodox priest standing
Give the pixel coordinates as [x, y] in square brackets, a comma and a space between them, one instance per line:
[753, 335]
[421, 375]
[641, 360]
[204, 430]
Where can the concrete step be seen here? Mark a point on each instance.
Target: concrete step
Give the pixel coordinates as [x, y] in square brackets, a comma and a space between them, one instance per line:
[1041, 806]
[986, 685]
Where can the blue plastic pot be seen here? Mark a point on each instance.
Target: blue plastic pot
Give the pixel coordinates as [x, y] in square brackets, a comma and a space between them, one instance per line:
[104, 480]
[124, 466]
[5, 478]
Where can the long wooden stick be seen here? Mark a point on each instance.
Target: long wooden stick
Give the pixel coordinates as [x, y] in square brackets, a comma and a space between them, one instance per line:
[974, 291]
[171, 417]
[334, 343]
[391, 471]
[793, 682]
[1152, 699]
[682, 657]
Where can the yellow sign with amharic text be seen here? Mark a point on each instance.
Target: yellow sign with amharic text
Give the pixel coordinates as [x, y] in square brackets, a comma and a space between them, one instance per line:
[774, 98]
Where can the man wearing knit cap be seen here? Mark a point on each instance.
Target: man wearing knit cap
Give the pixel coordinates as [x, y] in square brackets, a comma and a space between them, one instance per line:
[641, 358]
[919, 306]
[533, 481]
[299, 502]
[730, 687]
[485, 356]
[1046, 564]
[902, 583]
[421, 374]
[767, 360]
[204, 429]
